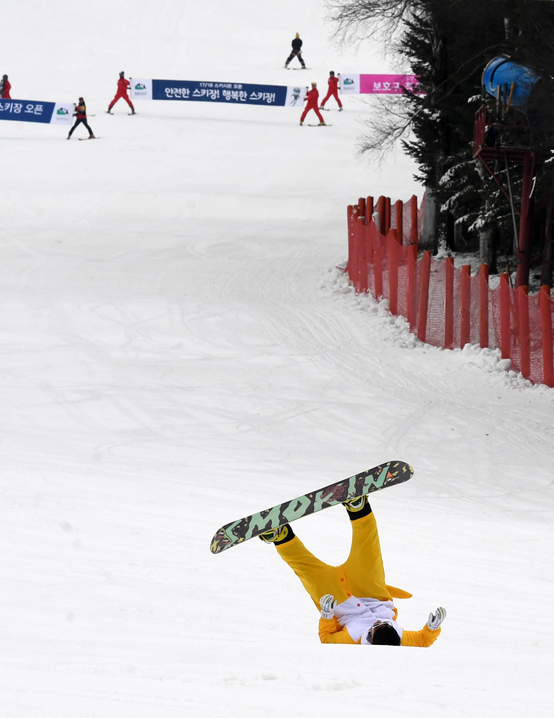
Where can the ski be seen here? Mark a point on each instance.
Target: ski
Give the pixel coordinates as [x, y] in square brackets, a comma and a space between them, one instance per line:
[84, 139]
[325, 125]
[366, 482]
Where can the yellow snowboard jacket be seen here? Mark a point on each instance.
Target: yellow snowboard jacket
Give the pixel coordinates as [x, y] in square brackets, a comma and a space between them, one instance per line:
[330, 631]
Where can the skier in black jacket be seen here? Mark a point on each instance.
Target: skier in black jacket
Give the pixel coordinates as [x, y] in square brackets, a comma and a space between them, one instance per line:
[296, 52]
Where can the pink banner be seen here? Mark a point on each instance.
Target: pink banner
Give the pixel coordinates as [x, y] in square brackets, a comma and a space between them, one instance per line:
[387, 84]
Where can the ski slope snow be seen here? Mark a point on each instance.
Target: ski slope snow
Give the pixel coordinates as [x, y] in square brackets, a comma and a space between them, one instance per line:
[179, 349]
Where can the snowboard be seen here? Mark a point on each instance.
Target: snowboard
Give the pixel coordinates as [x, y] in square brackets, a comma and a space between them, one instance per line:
[366, 482]
[325, 125]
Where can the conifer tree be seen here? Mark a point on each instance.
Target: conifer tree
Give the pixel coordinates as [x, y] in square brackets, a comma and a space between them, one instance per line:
[448, 43]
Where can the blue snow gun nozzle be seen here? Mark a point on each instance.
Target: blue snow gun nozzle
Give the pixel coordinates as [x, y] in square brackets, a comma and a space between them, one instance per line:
[502, 71]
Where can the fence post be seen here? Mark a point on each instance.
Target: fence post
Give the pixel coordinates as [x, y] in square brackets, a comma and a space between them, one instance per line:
[370, 242]
[449, 304]
[381, 211]
[505, 311]
[349, 220]
[377, 264]
[368, 209]
[399, 213]
[392, 262]
[524, 339]
[465, 327]
[547, 348]
[484, 306]
[363, 255]
[387, 215]
[412, 282]
[424, 296]
[413, 228]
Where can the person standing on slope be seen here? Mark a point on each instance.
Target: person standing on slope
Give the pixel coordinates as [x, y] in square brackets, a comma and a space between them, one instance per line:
[122, 90]
[312, 97]
[81, 115]
[355, 603]
[6, 87]
[333, 91]
[296, 52]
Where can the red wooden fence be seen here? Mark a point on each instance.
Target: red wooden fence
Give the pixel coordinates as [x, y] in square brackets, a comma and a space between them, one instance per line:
[446, 306]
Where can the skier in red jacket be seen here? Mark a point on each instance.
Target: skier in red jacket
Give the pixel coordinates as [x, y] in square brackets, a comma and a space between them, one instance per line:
[333, 91]
[311, 99]
[122, 90]
[6, 87]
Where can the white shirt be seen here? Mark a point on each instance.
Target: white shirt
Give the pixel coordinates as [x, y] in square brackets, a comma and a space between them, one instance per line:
[357, 615]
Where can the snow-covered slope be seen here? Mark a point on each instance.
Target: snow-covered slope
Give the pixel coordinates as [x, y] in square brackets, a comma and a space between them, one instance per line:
[178, 349]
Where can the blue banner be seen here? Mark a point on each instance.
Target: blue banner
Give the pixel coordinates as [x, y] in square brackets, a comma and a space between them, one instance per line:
[53, 113]
[232, 93]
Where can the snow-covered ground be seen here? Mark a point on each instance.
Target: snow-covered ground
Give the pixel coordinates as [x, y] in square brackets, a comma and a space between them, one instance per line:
[178, 349]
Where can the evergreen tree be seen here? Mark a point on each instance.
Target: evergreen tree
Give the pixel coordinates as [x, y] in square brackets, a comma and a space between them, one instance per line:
[448, 43]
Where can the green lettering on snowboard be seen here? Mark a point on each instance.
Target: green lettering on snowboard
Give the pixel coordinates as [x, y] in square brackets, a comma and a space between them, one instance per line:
[263, 522]
[297, 508]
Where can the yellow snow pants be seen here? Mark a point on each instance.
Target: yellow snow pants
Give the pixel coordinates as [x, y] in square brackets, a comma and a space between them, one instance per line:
[362, 574]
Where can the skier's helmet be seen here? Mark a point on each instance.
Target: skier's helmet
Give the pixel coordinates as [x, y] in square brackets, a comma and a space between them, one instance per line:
[122, 74]
[314, 84]
[4, 77]
[297, 34]
[332, 73]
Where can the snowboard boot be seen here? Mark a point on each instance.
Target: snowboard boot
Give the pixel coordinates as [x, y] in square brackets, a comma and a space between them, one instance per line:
[283, 534]
[109, 110]
[322, 124]
[133, 111]
[301, 123]
[357, 508]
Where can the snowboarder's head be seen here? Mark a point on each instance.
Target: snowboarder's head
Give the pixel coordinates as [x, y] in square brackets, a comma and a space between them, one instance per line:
[81, 101]
[382, 633]
[332, 74]
[297, 35]
[4, 77]
[314, 84]
[121, 74]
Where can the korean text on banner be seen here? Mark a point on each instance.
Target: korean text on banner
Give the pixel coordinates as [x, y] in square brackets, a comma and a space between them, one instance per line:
[228, 92]
[53, 113]
[378, 84]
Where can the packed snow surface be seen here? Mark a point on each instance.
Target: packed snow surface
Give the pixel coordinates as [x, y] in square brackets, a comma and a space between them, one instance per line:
[179, 348]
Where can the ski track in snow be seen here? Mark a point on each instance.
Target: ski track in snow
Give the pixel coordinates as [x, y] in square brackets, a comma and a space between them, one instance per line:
[179, 348]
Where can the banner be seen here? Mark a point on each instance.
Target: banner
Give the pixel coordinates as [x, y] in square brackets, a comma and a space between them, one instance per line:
[53, 113]
[377, 84]
[231, 93]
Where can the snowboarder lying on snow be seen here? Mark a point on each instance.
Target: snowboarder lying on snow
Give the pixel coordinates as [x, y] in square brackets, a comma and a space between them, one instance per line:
[354, 601]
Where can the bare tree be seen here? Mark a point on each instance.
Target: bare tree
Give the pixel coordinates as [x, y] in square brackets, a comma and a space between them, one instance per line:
[362, 19]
